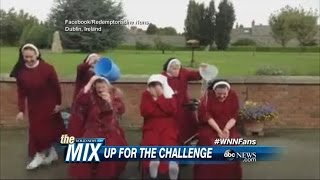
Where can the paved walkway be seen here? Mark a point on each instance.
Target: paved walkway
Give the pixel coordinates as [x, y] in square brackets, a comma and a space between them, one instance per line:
[300, 160]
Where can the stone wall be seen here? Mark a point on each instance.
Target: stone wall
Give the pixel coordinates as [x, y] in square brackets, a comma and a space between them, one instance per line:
[131, 39]
[296, 98]
[261, 34]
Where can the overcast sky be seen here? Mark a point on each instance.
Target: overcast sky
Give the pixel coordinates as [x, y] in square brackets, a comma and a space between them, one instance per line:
[173, 12]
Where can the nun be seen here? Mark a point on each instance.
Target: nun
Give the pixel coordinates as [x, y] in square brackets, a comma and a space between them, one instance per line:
[37, 83]
[218, 113]
[178, 79]
[85, 72]
[158, 108]
[96, 108]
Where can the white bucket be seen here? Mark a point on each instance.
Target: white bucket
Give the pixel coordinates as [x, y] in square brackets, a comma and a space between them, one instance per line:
[209, 73]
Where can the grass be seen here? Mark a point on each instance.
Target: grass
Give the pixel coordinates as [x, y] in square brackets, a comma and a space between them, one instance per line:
[148, 62]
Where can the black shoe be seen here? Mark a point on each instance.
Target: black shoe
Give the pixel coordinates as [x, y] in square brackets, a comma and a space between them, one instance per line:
[148, 178]
[163, 177]
[183, 165]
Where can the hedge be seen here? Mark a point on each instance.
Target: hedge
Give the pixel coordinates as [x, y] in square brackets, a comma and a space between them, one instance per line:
[237, 48]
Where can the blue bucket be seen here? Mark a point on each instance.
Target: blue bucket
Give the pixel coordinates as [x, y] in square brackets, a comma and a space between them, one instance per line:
[106, 68]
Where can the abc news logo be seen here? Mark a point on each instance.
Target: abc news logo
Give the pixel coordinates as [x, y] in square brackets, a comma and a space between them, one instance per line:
[231, 155]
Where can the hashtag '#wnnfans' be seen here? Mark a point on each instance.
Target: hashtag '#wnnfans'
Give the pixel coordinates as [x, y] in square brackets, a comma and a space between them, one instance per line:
[235, 141]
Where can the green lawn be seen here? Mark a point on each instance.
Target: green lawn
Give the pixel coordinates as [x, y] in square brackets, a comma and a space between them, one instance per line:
[148, 62]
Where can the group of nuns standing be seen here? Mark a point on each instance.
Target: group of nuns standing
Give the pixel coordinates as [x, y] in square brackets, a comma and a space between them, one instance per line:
[97, 106]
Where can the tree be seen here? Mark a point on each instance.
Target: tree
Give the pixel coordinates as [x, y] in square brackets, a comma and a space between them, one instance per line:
[304, 25]
[192, 21]
[109, 37]
[12, 24]
[280, 24]
[291, 23]
[152, 29]
[224, 23]
[38, 34]
[200, 22]
[167, 31]
[202, 25]
[208, 25]
[160, 45]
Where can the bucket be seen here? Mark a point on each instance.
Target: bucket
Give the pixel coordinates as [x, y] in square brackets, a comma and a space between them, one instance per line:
[106, 68]
[209, 73]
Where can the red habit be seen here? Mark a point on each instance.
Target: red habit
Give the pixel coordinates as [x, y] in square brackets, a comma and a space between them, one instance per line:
[185, 118]
[41, 88]
[94, 118]
[221, 112]
[83, 77]
[159, 128]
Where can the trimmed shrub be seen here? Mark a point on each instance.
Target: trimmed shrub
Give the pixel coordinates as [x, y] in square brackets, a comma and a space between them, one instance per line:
[242, 48]
[142, 46]
[244, 42]
[275, 49]
[271, 71]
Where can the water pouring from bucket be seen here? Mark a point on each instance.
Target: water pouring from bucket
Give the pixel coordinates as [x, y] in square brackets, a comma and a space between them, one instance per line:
[208, 74]
[106, 68]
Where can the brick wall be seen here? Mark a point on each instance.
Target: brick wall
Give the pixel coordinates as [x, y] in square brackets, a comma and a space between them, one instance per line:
[296, 98]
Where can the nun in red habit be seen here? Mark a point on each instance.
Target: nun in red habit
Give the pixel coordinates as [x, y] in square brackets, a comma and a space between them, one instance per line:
[218, 113]
[178, 79]
[97, 106]
[158, 108]
[37, 83]
[85, 72]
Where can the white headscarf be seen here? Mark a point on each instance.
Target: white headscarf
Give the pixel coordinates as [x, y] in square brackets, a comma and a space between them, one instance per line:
[167, 90]
[31, 46]
[106, 80]
[173, 61]
[87, 88]
[221, 83]
[91, 55]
